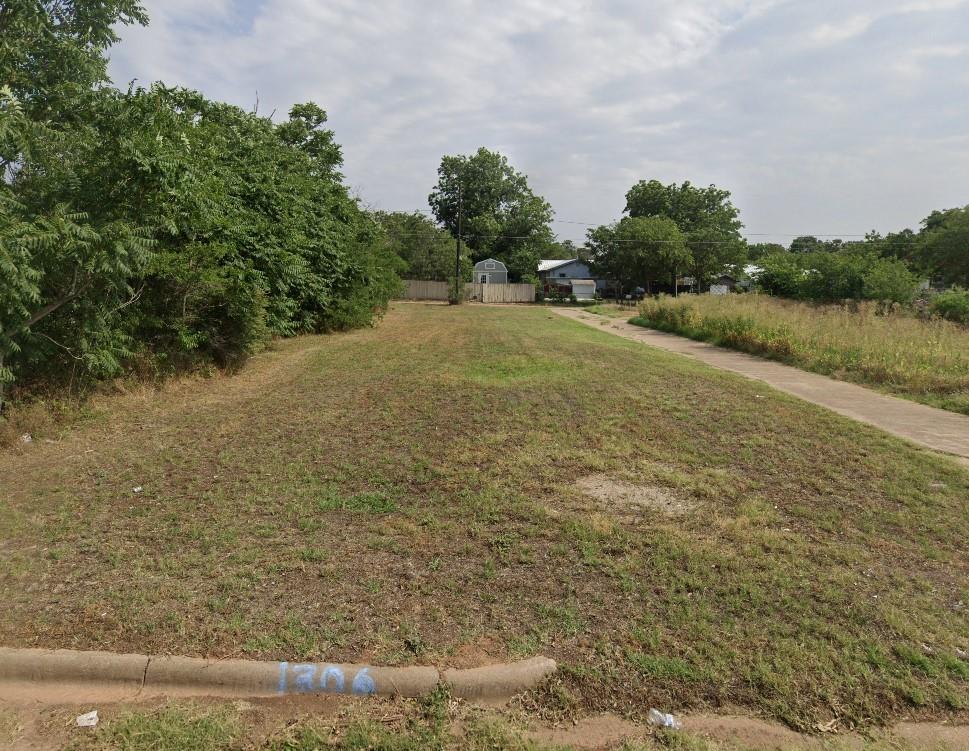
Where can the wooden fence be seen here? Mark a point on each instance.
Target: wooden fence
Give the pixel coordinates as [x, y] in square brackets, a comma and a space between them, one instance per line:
[415, 289]
[500, 293]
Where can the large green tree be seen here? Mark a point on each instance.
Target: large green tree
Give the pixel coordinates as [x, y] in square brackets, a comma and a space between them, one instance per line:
[55, 256]
[157, 222]
[427, 251]
[501, 217]
[706, 216]
[639, 251]
[943, 245]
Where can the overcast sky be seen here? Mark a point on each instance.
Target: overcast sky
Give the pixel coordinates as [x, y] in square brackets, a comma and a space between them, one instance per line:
[821, 116]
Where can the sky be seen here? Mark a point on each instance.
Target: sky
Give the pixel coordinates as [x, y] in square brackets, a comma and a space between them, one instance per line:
[825, 117]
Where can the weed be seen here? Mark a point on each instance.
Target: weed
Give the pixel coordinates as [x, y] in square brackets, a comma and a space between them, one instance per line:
[925, 360]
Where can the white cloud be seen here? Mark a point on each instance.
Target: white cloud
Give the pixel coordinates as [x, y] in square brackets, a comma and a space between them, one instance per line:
[847, 28]
[588, 97]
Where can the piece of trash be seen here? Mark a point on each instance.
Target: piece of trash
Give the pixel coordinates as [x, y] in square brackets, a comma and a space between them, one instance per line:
[88, 720]
[663, 719]
[137, 490]
[26, 438]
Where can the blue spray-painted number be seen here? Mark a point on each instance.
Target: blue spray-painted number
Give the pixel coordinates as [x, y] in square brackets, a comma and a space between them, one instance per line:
[363, 683]
[305, 675]
[332, 672]
[332, 679]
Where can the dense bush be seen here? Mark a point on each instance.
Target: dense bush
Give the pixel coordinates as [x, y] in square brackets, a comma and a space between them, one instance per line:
[953, 305]
[156, 223]
[830, 276]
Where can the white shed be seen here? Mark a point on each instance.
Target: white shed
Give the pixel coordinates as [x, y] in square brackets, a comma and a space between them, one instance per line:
[584, 289]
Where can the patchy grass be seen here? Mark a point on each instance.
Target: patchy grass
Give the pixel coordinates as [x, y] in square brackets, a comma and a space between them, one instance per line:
[171, 728]
[437, 723]
[429, 724]
[409, 494]
[927, 361]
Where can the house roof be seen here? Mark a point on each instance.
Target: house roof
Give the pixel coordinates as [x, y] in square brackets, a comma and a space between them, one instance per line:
[554, 263]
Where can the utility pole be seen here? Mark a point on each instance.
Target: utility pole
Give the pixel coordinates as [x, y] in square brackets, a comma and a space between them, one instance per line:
[457, 249]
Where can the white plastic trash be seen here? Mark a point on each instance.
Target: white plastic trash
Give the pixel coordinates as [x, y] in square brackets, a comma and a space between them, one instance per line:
[87, 720]
[663, 719]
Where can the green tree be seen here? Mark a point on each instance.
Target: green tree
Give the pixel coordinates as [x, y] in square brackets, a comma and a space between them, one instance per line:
[706, 216]
[756, 251]
[889, 279]
[639, 250]
[562, 250]
[943, 245]
[427, 251]
[156, 221]
[502, 217]
[806, 244]
[901, 245]
[781, 275]
[54, 256]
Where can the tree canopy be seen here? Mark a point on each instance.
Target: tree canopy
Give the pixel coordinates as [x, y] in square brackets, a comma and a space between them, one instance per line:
[155, 223]
[502, 217]
[706, 217]
[426, 251]
[943, 245]
[639, 250]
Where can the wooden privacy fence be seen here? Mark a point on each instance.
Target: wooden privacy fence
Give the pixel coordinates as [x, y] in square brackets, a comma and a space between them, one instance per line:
[415, 289]
[500, 292]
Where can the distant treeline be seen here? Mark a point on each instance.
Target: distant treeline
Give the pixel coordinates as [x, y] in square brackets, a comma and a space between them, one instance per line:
[890, 267]
[154, 227]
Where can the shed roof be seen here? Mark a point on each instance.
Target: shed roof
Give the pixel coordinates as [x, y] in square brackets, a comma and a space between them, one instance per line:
[496, 265]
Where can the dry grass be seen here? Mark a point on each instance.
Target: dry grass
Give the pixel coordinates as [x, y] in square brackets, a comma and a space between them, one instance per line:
[925, 360]
[408, 494]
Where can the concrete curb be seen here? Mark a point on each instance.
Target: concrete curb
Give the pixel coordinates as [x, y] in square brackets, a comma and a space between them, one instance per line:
[30, 670]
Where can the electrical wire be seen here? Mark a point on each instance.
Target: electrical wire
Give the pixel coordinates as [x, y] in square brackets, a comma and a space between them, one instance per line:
[819, 235]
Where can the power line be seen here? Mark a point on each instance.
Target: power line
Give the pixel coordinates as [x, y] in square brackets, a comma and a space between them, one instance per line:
[836, 235]
[614, 240]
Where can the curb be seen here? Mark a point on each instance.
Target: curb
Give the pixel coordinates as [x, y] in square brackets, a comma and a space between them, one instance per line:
[140, 675]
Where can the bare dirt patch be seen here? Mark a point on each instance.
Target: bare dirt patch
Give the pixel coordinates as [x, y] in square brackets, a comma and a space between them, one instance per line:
[604, 731]
[621, 495]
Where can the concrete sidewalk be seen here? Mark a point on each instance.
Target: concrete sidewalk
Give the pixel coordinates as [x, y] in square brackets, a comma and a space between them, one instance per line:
[936, 429]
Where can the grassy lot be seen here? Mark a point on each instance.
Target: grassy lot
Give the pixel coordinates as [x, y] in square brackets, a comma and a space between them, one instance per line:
[927, 361]
[434, 723]
[414, 493]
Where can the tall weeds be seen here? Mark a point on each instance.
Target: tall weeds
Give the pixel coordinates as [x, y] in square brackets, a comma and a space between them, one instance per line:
[925, 360]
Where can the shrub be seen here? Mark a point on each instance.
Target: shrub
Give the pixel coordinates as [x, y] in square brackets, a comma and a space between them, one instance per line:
[953, 305]
[889, 279]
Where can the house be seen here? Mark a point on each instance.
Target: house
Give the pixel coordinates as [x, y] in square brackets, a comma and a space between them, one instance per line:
[570, 275]
[563, 271]
[490, 271]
